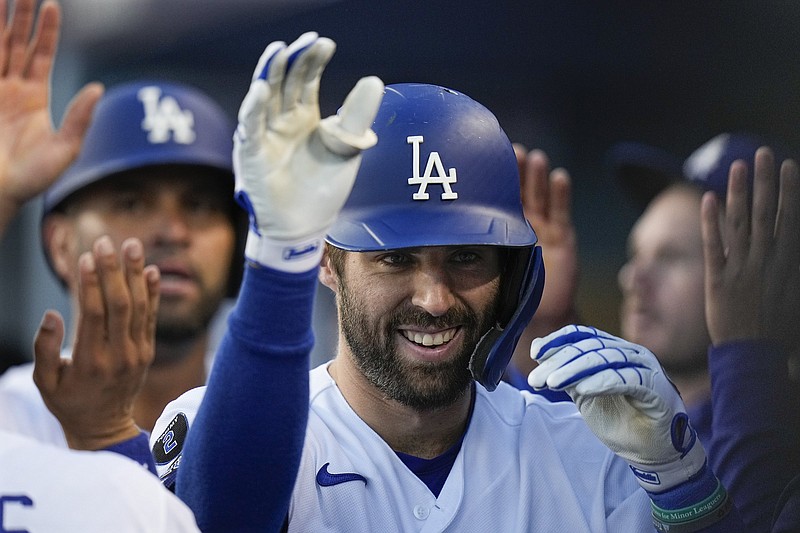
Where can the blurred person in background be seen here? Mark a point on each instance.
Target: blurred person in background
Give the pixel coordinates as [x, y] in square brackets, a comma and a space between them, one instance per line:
[44, 488]
[155, 165]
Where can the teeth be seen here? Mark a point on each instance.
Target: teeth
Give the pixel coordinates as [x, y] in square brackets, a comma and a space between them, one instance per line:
[426, 339]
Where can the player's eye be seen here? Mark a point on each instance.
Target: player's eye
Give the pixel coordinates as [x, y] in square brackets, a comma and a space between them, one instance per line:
[395, 259]
[465, 257]
[204, 204]
[128, 202]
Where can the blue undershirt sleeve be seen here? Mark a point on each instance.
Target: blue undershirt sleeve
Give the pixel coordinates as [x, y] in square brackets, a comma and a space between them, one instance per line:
[138, 449]
[755, 444]
[251, 424]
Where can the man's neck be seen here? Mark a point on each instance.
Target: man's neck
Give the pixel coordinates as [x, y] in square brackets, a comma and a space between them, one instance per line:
[166, 381]
[424, 434]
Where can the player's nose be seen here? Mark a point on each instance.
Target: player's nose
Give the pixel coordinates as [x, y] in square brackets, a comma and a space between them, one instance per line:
[625, 276]
[641, 275]
[432, 291]
[172, 224]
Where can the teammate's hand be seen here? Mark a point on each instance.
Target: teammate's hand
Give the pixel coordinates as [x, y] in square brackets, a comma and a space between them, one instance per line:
[547, 203]
[294, 171]
[92, 395]
[752, 261]
[625, 398]
[32, 153]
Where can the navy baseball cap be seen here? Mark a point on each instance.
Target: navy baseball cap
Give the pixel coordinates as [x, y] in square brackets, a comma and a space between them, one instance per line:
[643, 171]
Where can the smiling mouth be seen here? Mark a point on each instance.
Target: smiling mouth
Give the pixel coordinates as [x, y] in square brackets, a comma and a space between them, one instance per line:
[430, 339]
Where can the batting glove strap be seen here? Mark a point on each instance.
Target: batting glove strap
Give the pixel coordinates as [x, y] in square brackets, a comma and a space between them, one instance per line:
[292, 256]
[656, 478]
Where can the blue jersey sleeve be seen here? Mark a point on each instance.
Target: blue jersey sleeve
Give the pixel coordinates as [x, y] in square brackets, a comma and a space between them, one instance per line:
[137, 449]
[755, 443]
[251, 424]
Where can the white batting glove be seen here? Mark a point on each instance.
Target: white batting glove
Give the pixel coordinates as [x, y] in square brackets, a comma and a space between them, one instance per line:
[625, 398]
[294, 171]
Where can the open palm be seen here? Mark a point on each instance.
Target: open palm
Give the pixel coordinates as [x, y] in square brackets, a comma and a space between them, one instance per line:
[32, 152]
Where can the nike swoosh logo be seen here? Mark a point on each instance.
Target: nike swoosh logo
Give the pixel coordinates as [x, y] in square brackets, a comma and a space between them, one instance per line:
[326, 479]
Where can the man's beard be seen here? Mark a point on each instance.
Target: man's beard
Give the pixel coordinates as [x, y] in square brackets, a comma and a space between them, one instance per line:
[178, 332]
[419, 385]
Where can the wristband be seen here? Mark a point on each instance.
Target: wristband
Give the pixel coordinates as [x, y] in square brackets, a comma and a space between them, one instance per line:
[292, 256]
[695, 517]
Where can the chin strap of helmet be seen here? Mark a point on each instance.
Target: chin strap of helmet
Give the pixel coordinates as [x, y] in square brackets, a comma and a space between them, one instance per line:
[522, 286]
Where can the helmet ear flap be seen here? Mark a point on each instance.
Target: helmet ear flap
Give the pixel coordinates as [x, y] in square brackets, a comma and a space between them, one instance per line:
[521, 292]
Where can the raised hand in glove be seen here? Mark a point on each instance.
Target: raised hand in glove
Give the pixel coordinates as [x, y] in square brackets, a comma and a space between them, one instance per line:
[293, 170]
[625, 398]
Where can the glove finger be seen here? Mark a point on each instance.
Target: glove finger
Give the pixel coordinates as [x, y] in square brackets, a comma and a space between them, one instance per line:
[577, 362]
[349, 132]
[316, 59]
[555, 359]
[299, 56]
[276, 71]
[361, 105]
[560, 356]
[269, 73]
[601, 370]
[252, 116]
[544, 347]
[265, 61]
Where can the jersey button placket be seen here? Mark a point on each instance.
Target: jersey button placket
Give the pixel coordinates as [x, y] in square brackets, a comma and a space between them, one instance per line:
[421, 512]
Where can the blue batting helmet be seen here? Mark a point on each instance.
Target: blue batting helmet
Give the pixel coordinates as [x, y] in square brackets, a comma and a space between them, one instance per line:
[444, 173]
[151, 123]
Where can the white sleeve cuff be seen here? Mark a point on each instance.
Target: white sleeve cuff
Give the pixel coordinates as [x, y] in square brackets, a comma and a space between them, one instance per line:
[664, 477]
[293, 256]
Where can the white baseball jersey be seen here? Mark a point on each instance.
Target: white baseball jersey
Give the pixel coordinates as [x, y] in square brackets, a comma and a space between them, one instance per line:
[526, 464]
[44, 489]
[22, 410]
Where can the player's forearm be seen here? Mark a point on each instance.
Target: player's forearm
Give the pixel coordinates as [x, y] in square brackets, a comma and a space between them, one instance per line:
[255, 409]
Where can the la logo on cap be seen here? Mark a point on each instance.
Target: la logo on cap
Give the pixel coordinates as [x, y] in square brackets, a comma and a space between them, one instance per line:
[445, 179]
[164, 118]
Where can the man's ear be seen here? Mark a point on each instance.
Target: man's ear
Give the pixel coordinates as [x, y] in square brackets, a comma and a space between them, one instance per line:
[327, 274]
[56, 231]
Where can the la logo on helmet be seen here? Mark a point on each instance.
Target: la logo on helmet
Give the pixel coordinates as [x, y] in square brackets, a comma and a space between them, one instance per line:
[163, 116]
[445, 179]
